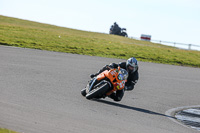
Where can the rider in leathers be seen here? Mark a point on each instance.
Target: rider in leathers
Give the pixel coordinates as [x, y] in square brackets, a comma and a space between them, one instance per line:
[131, 65]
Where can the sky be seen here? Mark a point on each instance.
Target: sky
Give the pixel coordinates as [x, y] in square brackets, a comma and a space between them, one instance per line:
[166, 20]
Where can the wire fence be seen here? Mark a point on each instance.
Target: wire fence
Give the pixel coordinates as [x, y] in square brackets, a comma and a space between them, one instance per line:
[175, 44]
[179, 45]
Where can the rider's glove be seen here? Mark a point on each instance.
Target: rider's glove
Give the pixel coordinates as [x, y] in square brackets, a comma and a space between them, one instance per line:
[92, 75]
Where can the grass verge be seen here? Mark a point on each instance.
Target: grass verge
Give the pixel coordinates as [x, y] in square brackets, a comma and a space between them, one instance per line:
[28, 34]
[2, 130]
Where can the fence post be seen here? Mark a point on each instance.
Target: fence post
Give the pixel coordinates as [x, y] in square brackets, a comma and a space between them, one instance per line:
[189, 46]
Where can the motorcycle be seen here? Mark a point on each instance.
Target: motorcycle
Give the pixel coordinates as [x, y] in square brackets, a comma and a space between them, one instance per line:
[119, 31]
[106, 83]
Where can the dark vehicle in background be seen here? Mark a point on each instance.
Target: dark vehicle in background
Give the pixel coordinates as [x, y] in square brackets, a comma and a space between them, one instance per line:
[116, 30]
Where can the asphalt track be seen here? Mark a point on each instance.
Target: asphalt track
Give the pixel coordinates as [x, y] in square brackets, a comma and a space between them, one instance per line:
[40, 93]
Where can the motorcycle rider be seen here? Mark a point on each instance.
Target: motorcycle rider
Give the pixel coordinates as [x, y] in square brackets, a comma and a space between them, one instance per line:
[115, 29]
[131, 65]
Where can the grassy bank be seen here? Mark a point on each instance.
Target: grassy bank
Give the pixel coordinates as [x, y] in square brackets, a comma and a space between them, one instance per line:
[22, 33]
[2, 130]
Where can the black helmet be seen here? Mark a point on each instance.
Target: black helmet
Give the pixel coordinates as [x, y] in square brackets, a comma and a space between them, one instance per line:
[132, 62]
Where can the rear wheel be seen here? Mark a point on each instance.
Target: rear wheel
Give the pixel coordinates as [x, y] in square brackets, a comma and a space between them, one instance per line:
[98, 91]
[124, 34]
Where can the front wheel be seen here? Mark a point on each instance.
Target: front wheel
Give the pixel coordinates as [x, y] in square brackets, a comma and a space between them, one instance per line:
[83, 92]
[124, 34]
[99, 91]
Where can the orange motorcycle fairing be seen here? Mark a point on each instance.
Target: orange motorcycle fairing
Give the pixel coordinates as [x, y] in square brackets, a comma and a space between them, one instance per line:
[102, 75]
[112, 76]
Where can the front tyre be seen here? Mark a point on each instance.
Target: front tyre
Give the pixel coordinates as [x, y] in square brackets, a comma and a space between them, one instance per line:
[83, 92]
[99, 91]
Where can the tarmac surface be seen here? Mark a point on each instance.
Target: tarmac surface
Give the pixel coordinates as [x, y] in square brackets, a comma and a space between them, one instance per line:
[40, 93]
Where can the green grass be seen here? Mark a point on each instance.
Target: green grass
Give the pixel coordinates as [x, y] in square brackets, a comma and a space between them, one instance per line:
[28, 34]
[2, 130]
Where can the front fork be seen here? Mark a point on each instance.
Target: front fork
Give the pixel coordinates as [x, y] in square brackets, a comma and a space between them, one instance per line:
[92, 84]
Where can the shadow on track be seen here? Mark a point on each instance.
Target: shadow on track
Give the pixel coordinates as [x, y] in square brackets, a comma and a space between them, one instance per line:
[131, 108]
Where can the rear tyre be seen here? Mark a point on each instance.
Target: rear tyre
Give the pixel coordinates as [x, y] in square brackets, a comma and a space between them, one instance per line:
[99, 91]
